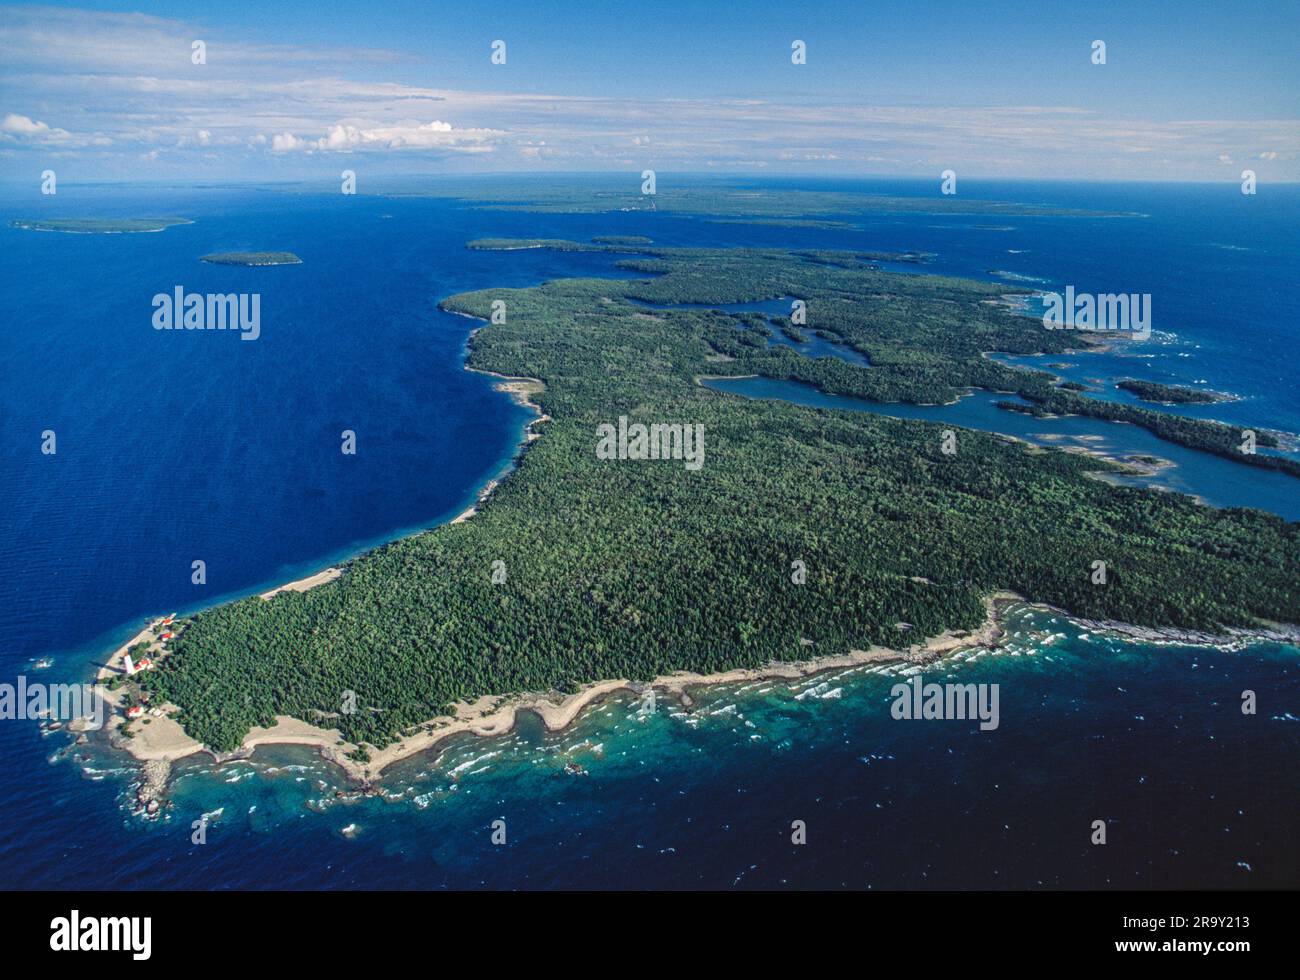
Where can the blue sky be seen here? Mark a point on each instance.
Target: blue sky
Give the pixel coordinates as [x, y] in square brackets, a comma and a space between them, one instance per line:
[1189, 91]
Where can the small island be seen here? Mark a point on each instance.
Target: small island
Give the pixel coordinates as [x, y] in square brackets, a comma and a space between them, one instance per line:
[251, 258]
[1152, 391]
[519, 244]
[98, 226]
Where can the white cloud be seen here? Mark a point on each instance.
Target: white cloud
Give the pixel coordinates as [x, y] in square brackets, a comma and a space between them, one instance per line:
[119, 86]
[406, 135]
[14, 123]
[25, 131]
[285, 142]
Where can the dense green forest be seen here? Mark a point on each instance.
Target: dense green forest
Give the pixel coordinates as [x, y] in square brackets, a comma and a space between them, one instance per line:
[635, 568]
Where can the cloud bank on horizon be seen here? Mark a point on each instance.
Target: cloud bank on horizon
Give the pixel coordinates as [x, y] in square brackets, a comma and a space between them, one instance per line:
[109, 95]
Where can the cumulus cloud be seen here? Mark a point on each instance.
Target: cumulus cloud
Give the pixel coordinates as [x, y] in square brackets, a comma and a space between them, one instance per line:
[24, 126]
[285, 143]
[25, 131]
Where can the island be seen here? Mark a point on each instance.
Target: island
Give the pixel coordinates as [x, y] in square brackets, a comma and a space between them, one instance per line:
[99, 226]
[806, 538]
[1151, 391]
[518, 244]
[251, 258]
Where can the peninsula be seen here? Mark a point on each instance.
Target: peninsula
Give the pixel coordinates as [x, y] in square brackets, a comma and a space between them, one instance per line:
[806, 534]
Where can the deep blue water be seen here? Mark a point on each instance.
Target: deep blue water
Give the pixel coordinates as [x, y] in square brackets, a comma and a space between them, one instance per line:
[175, 446]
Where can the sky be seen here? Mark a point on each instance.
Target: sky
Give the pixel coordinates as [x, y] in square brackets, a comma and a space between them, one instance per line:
[299, 90]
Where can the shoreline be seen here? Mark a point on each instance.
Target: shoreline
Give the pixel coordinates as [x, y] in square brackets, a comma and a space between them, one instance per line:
[521, 391]
[164, 741]
[305, 583]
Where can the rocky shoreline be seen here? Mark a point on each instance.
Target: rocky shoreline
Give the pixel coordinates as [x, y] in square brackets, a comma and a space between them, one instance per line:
[1233, 638]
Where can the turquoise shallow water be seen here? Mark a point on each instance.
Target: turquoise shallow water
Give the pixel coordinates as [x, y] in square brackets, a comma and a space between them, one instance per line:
[232, 454]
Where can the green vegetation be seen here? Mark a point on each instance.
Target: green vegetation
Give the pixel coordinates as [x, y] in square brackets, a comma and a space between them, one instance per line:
[99, 226]
[1151, 391]
[639, 568]
[252, 258]
[622, 240]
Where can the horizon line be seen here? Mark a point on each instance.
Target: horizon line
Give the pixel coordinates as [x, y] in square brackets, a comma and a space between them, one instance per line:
[744, 175]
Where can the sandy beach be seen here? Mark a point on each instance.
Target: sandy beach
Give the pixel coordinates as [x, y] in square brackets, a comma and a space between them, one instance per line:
[303, 584]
